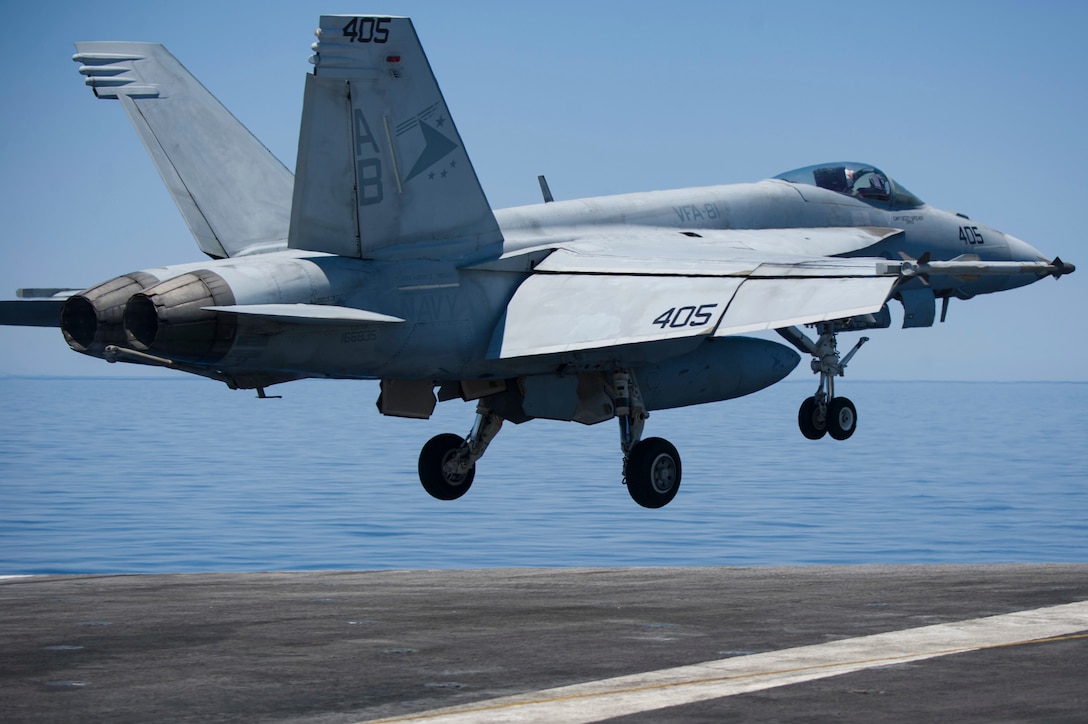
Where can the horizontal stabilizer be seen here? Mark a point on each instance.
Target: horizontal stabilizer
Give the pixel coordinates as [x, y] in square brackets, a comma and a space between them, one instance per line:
[31, 313]
[234, 194]
[46, 292]
[307, 313]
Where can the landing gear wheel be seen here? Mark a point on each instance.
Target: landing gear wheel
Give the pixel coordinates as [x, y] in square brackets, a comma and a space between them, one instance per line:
[653, 472]
[809, 421]
[842, 418]
[438, 481]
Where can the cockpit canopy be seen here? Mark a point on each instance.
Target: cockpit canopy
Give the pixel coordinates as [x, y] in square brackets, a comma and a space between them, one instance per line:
[862, 181]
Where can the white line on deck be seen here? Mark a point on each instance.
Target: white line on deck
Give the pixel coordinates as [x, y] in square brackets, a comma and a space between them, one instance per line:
[608, 698]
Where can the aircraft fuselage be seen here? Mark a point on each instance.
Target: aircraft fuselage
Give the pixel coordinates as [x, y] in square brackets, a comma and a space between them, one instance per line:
[451, 308]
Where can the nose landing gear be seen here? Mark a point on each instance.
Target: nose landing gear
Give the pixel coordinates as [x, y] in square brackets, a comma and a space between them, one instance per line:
[824, 413]
[653, 472]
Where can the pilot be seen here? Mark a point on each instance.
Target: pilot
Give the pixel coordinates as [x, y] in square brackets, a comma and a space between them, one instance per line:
[877, 188]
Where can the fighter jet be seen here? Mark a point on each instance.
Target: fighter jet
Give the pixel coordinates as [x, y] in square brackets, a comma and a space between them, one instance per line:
[381, 259]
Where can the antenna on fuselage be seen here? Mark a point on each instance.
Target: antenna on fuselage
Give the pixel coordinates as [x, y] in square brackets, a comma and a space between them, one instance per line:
[548, 198]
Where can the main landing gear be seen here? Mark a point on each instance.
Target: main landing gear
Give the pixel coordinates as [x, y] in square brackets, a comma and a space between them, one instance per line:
[447, 464]
[824, 413]
[651, 467]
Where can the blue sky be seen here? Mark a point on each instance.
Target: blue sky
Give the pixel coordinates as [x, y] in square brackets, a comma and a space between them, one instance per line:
[975, 107]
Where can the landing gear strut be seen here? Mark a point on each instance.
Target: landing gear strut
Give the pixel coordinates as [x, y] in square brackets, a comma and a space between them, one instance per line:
[824, 413]
[651, 467]
[447, 463]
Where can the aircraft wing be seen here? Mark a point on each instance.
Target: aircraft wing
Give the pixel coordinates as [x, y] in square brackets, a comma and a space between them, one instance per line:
[598, 249]
[598, 292]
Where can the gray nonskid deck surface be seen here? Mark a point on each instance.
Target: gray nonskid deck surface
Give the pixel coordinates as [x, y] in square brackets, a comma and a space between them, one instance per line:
[354, 646]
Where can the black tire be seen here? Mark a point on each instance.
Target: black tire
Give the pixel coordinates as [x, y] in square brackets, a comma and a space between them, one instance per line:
[842, 418]
[808, 420]
[431, 459]
[653, 472]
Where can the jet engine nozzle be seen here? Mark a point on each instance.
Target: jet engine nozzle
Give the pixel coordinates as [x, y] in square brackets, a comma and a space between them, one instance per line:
[169, 318]
[93, 319]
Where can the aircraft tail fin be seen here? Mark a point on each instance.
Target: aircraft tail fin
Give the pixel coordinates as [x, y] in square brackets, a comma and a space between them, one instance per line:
[234, 194]
[381, 170]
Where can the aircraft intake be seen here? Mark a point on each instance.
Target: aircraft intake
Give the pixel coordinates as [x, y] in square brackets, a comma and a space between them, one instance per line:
[94, 319]
[170, 319]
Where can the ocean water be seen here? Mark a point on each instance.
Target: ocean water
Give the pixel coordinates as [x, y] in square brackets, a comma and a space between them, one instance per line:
[180, 475]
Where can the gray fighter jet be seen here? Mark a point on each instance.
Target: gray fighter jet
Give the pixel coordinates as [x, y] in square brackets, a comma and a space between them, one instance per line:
[382, 259]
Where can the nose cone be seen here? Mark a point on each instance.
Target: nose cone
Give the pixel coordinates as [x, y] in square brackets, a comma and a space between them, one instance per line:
[1022, 251]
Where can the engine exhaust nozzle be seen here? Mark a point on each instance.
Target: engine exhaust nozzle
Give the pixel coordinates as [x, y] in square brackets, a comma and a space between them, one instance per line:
[93, 319]
[169, 318]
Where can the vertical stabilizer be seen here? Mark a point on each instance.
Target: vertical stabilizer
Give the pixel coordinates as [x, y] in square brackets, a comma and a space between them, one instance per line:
[382, 171]
[234, 194]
